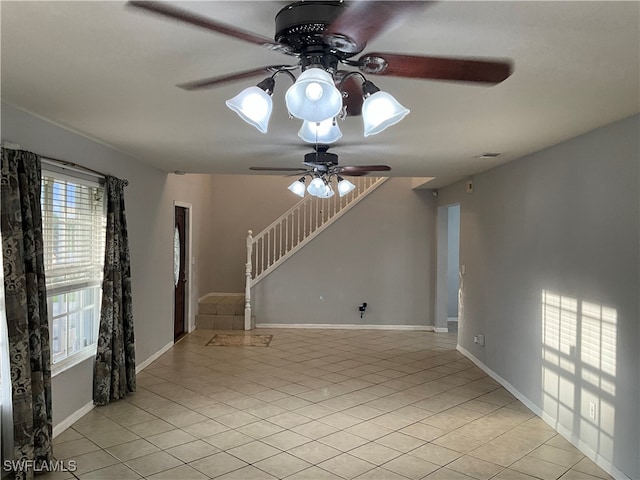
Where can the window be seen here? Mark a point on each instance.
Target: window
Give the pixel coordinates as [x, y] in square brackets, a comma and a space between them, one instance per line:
[6, 420]
[74, 223]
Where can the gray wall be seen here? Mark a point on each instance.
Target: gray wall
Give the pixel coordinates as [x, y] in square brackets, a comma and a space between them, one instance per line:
[453, 256]
[196, 191]
[240, 203]
[149, 201]
[381, 252]
[561, 223]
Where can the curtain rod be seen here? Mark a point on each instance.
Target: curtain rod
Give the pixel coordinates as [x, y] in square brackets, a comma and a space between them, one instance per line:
[67, 163]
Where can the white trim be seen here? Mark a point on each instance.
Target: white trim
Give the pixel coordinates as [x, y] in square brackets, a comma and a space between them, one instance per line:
[153, 358]
[74, 359]
[78, 414]
[549, 420]
[71, 419]
[441, 329]
[346, 326]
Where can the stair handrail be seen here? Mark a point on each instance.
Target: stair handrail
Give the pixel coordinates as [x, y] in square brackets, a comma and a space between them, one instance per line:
[316, 222]
[278, 220]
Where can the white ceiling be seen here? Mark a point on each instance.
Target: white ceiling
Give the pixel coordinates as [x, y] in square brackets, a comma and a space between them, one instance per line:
[110, 72]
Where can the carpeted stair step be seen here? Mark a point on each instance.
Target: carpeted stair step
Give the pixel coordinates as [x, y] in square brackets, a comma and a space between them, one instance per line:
[221, 311]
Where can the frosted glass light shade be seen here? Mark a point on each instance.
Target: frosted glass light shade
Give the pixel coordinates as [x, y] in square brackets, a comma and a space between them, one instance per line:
[316, 187]
[379, 111]
[326, 192]
[344, 186]
[314, 97]
[297, 187]
[254, 106]
[325, 132]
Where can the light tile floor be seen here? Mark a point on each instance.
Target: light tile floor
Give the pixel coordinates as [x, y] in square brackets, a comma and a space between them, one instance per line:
[315, 405]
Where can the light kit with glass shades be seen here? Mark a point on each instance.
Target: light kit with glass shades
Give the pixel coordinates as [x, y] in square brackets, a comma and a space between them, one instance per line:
[322, 168]
[324, 35]
[315, 99]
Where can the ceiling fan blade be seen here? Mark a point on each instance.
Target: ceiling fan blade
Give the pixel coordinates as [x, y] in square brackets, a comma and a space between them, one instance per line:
[169, 11]
[277, 169]
[437, 68]
[359, 170]
[363, 21]
[232, 77]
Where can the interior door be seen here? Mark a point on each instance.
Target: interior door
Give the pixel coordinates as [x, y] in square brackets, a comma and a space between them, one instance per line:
[180, 274]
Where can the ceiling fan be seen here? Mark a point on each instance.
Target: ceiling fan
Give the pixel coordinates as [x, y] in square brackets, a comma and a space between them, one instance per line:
[322, 167]
[324, 36]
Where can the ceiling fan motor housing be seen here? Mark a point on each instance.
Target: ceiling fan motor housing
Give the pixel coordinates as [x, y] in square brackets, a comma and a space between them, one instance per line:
[320, 157]
[301, 25]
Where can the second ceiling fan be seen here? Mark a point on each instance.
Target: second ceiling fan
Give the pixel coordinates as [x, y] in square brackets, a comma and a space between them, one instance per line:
[322, 167]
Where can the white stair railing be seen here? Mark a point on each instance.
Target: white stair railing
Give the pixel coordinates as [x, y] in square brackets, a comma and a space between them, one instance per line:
[294, 229]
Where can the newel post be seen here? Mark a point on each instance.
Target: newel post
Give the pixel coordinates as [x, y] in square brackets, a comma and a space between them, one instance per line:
[247, 290]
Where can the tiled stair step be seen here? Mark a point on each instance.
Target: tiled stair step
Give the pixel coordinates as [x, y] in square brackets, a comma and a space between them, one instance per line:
[220, 322]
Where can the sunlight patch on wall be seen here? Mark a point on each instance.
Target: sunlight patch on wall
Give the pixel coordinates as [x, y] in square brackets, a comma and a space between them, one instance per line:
[579, 367]
[559, 324]
[599, 344]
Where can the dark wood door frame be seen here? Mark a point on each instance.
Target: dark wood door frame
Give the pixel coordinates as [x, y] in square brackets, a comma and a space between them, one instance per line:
[181, 287]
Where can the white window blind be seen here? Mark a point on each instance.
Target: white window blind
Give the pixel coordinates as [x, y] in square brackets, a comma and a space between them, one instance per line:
[73, 231]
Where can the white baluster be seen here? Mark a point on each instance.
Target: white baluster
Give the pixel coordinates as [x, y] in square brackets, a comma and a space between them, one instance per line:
[294, 227]
[247, 288]
[285, 245]
[273, 246]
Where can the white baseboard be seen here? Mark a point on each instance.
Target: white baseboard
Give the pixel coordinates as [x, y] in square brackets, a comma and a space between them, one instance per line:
[78, 414]
[441, 329]
[153, 358]
[71, 419]
[549, 420]
[346, 326]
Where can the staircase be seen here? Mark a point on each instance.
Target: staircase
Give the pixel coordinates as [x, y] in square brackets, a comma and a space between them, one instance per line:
[221, 311]
[293, 230]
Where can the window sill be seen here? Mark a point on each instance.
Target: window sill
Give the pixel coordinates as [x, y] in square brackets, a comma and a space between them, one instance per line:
[73, 360]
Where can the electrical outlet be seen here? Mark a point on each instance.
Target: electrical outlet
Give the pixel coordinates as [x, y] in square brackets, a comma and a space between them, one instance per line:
[481, 340]
[592, 410]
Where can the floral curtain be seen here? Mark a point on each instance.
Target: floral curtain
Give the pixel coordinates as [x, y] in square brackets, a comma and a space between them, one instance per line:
[114, 374]
[26, 308]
